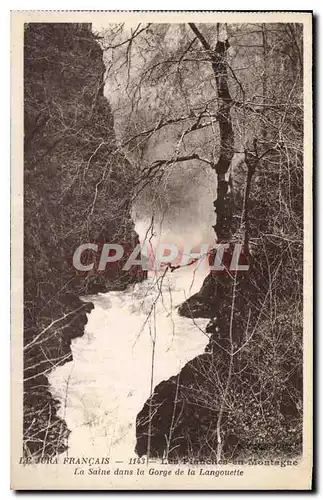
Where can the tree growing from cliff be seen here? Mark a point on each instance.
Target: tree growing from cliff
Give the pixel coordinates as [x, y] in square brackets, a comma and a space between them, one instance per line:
[229, 99]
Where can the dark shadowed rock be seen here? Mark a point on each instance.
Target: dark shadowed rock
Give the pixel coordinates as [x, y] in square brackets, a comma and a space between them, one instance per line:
[203, 303]
[77, 189]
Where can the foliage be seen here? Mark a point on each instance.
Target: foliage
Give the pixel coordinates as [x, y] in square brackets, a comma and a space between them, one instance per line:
[172, 95]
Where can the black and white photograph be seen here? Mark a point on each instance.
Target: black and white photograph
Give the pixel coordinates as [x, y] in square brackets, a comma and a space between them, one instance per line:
[162, 250]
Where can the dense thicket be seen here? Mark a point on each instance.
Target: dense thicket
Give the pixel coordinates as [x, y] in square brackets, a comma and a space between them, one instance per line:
[204, 94]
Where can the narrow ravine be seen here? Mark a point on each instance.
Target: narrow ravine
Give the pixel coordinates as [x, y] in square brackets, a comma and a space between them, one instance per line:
[105, 386]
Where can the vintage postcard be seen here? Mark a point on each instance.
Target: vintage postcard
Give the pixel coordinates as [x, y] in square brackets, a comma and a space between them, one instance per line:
[161, 250]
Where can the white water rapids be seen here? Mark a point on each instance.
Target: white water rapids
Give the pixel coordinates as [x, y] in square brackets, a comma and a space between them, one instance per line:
[105, 386]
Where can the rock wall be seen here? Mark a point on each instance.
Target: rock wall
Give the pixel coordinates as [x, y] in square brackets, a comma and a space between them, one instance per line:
[77, 189]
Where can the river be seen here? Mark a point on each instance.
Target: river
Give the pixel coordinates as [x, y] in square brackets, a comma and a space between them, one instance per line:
[133, 340]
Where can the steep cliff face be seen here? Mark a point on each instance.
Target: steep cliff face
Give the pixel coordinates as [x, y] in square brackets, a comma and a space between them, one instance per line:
[77, 189]
[243, 396]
